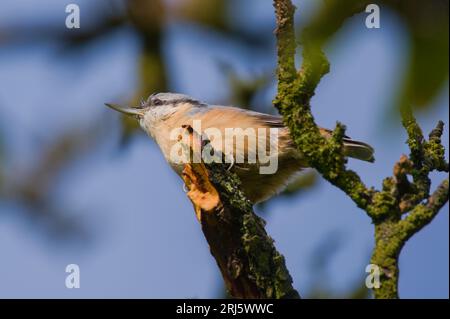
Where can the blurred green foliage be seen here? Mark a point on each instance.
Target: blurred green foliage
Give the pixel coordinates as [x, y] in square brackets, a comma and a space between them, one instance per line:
[427, 24]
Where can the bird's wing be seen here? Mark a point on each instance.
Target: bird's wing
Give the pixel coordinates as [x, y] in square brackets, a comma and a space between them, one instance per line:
[268, 119]
[222, 116]
[352, 148]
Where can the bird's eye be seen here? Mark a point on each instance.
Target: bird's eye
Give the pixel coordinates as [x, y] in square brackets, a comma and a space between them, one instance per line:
[157, 102]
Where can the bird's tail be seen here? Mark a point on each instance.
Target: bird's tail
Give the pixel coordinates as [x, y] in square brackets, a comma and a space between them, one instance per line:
[358, 150]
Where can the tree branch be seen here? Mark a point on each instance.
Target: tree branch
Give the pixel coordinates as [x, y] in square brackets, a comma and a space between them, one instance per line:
[295, 90]
[248, 260]
[423, 214]
[398, 195]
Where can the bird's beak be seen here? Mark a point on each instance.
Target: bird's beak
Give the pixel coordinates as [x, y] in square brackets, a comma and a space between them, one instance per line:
[126, 109]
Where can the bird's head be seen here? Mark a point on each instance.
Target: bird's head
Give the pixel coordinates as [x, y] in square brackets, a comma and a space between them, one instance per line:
[157, 107]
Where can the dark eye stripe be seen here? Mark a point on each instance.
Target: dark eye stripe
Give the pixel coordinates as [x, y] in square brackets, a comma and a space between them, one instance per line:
[174, 102]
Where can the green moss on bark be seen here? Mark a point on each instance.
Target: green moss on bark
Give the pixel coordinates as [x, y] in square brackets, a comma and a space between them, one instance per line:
[266, 265]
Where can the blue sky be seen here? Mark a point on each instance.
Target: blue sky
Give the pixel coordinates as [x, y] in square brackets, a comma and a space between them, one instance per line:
[145, 240]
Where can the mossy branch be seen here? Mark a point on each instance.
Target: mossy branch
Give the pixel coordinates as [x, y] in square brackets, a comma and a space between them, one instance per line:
[397, 196]
[248, 260]
[423, 214]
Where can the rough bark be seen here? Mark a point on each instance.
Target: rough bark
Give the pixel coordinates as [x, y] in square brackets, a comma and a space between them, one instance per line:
[247, 258]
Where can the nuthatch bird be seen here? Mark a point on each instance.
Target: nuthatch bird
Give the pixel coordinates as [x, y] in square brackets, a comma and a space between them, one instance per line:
[163, 113]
